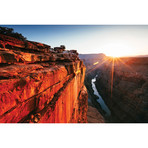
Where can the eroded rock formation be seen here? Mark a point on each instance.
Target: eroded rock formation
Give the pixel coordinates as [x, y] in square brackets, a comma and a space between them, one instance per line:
[39, 84]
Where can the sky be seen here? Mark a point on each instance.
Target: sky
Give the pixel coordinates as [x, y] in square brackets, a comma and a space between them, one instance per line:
[112, 40]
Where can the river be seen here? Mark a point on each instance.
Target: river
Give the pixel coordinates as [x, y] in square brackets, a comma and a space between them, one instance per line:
[100, 100]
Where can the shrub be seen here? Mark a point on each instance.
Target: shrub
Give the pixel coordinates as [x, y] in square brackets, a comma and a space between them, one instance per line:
[10, 32]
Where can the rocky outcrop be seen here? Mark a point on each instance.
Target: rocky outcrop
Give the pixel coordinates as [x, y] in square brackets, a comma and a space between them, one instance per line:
[93, 116]
[39, 84]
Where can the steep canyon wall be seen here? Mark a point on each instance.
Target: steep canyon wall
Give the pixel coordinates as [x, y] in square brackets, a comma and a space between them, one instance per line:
[39, 84]
[124, 87]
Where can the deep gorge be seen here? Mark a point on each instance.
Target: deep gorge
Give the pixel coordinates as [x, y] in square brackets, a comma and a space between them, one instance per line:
[122, 85]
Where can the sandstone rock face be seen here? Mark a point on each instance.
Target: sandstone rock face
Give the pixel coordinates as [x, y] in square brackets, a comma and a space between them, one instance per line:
[40, 85]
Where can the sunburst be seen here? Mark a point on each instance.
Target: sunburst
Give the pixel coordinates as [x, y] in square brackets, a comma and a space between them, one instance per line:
[112, 61]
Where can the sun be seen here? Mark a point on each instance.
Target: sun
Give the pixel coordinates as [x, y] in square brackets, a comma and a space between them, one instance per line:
[117, 50]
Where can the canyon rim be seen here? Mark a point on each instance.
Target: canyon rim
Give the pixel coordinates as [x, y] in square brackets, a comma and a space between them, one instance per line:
[40, 83]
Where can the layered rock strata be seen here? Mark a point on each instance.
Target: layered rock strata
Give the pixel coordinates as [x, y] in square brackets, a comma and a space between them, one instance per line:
[39, 84]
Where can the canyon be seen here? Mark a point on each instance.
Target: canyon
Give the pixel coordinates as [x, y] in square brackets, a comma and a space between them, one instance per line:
[123, 85]
[40, 84]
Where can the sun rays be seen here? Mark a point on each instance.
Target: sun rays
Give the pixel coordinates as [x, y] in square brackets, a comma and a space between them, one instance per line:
[97, 65]
[112, 75]
[112, 63]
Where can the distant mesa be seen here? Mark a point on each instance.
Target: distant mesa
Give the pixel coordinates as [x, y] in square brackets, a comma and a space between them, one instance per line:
[92, 56]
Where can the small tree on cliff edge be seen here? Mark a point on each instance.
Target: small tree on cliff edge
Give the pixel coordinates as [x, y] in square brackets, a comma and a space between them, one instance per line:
[10, 32]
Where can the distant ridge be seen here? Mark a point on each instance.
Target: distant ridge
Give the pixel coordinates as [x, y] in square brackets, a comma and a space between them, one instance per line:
[91, 56]
[142, 56]
[101, 55]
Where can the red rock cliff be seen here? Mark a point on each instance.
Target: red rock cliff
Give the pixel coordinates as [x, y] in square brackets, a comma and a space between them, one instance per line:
[39, 84]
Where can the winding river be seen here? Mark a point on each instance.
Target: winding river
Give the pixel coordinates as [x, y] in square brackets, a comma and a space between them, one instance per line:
[100, 100]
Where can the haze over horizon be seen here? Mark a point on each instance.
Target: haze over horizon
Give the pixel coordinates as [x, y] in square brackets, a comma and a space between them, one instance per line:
[112, 40]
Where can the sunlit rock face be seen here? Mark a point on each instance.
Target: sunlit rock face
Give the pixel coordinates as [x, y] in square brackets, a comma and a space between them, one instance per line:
[39, 84]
